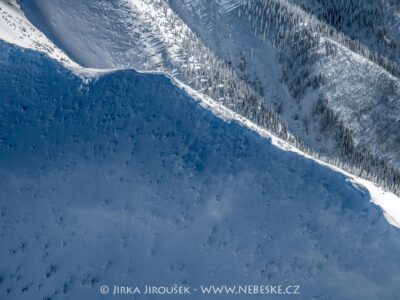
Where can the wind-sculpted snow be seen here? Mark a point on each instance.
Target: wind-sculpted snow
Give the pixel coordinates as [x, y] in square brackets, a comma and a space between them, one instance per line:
[126, 180]
[15, 28]
[101, 34]
[300, 63]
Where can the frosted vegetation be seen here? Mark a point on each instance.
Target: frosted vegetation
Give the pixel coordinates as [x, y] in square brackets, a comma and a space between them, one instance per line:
[123, 178]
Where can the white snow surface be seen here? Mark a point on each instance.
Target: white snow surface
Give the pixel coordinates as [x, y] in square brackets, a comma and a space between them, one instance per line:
[16, 29]
[360, 93]
[389, 202]
[125, 179]
[87, 186]
[152, 35]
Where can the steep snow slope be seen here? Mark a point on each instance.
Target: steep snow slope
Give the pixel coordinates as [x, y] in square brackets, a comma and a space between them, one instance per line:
[346, 102]
[226, 45]
[102, 34]
[126, 180]
[232, 38]
[108, 34]
[338, 98]
[16, 29]
[356, 90]
[147, 35]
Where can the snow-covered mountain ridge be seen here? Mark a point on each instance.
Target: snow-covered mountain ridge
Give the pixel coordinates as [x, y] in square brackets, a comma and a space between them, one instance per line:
[387, 201]
[337, 96]
[113, 176]
[87, 168]
[345, 101]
